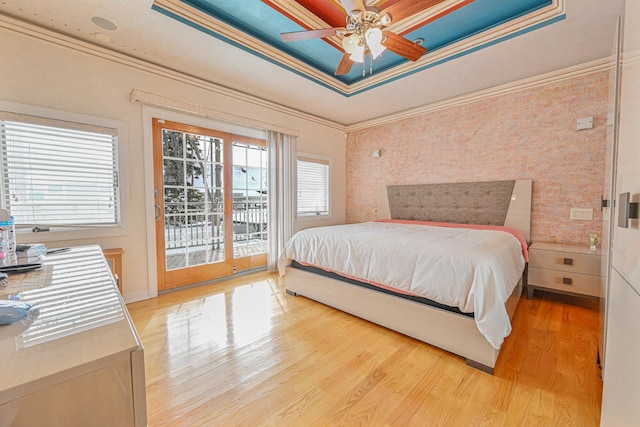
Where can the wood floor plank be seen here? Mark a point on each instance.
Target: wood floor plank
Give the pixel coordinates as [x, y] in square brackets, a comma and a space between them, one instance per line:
[419, 393]
[519, 408]
[243, 352]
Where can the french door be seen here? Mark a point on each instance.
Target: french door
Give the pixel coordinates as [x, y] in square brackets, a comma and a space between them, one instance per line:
[210, 201]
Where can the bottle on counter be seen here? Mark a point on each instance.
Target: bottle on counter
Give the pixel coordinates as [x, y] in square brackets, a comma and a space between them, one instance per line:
[7, 238]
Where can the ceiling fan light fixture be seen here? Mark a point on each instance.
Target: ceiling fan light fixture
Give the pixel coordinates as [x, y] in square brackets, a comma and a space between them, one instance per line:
[385, 19]
[373, 36]
[363, 35]
[358, 54]
[349, 43]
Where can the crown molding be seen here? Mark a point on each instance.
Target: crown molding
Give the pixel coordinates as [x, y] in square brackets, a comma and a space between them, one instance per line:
[49, 36]
[540, 18]
[219, 29]
[631, 57]
[215, 27]
[154, 100]
[61, 40]
[604, 64]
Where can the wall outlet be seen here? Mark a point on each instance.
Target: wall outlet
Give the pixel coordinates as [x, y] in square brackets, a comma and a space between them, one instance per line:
[581, 213]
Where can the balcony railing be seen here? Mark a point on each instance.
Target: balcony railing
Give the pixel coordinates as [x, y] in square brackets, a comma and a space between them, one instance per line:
[190, 228]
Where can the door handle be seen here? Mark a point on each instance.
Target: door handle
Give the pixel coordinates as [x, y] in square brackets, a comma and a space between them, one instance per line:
[158, 212]
[627, 210]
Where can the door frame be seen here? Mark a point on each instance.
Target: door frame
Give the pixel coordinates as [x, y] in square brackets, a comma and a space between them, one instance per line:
[147, 248]
[197, 274]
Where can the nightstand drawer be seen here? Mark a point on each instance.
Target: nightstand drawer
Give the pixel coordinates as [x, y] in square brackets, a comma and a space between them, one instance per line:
[565, 261]
[564, 281]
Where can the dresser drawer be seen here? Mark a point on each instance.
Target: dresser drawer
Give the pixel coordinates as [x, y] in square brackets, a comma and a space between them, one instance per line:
[565, 261]
[564, 281]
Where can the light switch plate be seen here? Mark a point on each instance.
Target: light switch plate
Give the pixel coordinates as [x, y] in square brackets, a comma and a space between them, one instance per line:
[581, 214]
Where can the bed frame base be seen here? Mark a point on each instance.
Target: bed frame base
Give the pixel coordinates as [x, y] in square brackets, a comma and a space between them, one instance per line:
[480, 366]
[449, 331]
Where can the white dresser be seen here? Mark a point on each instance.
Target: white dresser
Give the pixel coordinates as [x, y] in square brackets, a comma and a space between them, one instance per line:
[564, 268]
[80, 361]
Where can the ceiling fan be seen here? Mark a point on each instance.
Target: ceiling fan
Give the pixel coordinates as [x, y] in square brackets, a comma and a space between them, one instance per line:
[364, 31]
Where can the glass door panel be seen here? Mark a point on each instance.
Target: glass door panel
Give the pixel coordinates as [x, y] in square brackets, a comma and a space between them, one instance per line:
[191, 205]
[250, 210]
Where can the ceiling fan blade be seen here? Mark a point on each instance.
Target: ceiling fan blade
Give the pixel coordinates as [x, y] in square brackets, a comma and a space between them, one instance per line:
[311, 34]
[345, 65]
[402, 46]
[406, 8]
[351, 5]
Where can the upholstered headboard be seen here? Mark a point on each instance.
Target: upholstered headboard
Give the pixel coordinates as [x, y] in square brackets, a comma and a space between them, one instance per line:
[491, 202]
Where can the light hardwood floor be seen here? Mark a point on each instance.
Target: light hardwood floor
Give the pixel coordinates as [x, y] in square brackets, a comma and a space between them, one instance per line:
[243, 353]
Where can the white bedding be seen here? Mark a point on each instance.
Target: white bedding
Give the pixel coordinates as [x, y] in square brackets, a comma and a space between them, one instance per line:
[474, 270]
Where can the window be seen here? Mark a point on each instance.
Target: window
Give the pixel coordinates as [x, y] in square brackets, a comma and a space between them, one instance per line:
[313, 186]
[58, 173]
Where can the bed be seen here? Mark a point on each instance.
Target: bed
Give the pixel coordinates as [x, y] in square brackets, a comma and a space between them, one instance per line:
[364, 270]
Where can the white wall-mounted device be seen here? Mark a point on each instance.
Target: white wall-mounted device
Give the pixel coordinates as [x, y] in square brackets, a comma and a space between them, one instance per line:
[584, 123]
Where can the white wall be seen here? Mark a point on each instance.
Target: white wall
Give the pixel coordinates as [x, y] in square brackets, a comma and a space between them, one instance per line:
[46, 74]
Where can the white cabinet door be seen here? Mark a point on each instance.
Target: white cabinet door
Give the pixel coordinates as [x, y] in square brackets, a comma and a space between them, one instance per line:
[621, 398]
[621, 395]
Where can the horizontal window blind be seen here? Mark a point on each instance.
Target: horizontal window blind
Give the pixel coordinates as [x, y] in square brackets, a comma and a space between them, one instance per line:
[59, 175]
[313, 187]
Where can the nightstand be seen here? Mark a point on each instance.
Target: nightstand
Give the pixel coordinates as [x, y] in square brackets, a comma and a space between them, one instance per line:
[565, 269]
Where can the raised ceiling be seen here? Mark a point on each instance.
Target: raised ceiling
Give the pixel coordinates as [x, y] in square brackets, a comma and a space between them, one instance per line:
[448, 29]
[566, 33]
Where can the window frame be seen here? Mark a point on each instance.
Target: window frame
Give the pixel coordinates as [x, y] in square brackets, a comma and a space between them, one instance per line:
[314, 158]
[25, 234]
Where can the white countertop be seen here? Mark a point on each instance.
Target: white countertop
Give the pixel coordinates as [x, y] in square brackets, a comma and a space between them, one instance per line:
[585, 249]
[82, 324]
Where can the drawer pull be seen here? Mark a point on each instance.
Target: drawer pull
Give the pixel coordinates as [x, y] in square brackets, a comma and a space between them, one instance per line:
[567, 281]
[568, 261]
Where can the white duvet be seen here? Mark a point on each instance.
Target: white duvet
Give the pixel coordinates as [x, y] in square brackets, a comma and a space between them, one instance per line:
[474, 270]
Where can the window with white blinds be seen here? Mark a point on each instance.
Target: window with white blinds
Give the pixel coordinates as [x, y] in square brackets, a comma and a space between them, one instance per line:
[313, 187]
[59, 173]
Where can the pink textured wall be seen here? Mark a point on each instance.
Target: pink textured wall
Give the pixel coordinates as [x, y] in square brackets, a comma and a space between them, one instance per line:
[529, 134]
